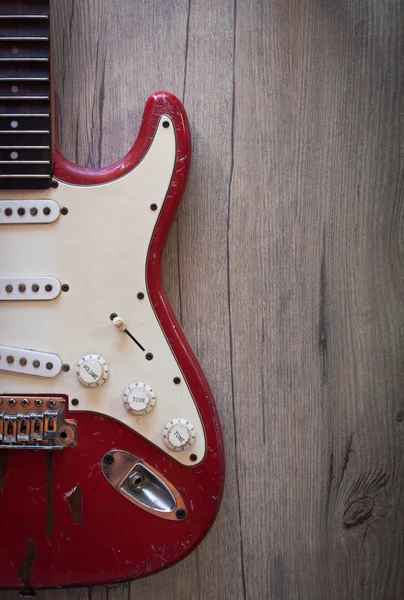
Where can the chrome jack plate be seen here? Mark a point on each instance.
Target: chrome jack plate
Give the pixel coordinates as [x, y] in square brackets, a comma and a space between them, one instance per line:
[143, 485]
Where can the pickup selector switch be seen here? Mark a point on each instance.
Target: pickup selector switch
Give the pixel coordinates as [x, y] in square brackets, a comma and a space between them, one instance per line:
[139, 398]
[92, 370]
[179, 434]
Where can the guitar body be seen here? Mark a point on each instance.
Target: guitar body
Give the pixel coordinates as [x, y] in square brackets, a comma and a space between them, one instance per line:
[106, 498]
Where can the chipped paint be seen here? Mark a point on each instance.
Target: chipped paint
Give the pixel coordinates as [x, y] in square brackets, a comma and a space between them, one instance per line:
[26, 568]
[74, 498]
[3, 468]
[50, 511]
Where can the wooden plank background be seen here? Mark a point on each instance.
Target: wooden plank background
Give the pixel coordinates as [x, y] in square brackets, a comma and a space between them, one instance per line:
[285, 266]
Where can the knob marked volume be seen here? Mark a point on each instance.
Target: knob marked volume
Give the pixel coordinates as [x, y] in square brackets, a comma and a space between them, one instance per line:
[92, 370]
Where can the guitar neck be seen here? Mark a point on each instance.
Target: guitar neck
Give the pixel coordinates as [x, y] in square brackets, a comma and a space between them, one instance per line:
[25, 95]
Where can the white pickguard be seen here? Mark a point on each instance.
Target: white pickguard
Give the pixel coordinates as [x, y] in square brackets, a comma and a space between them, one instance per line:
[99, 249]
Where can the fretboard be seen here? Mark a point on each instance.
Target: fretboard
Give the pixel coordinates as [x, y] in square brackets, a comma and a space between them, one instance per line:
[25, 95]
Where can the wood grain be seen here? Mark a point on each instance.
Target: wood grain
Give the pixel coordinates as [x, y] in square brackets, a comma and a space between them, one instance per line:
[285, 266]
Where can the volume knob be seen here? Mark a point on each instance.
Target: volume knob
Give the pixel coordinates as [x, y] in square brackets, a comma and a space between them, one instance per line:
[139, 398]
[179, 434]
[92, 370]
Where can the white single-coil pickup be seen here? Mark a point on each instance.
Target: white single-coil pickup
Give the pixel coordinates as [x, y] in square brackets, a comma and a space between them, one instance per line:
[29, 362]
[19, 212]
[29, 288]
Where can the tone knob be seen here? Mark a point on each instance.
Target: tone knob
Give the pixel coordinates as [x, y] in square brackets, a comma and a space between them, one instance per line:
[92, 370]
[179, 434]
[139, 398]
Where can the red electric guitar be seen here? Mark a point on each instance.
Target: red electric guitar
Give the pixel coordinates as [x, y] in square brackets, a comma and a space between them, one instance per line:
[111, 454]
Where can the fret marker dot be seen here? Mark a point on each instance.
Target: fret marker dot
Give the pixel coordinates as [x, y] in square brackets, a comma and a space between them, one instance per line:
[14, 155]
[15, 50]
[14, 124]
[15, 89]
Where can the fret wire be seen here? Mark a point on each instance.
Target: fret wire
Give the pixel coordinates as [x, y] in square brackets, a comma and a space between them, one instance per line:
[24, 147]
[24, 38]
[27, 176]
[21, 131]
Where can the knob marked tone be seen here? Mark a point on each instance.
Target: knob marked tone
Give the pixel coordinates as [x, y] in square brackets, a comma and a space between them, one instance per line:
[139, 398]
[179, 434]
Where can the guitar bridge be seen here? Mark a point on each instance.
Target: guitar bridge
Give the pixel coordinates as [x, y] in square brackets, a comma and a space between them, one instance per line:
[36, 423]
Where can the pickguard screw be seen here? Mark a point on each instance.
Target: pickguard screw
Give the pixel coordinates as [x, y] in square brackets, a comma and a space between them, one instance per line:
[64, 210]
[177, 380]
[52, 403]
[113, 316]
[12, 402]
[65, 287]
[153, 206]
[193, 457]
[66, 368]
[38, 402]
[149, 356]
[181, 513]
[108, 459]
[75, 402]
[25, 402]
[140, 295]
[55, 183]
[166, 124]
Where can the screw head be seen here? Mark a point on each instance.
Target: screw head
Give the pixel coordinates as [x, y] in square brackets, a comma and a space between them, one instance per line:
[66, 368]
[140, 295]
[108, 459]
[12, 402]
[177, 380]
[193, 457]
[55, 183]
[153, 206]
[52, 403]
[166, 124]
[25, 402]
[149, 356]
[64, 210]
[65, 287]
[38, 402]
[75, 402]
[181, 514]
[113, 316]
[1, 401]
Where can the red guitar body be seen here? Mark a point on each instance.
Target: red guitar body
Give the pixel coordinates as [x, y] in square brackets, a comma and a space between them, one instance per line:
[63, 524]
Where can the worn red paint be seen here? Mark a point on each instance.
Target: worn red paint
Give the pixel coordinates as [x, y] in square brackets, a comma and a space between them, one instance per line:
[115, 540]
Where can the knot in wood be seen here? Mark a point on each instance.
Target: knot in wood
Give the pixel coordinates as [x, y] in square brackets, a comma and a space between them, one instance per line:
[358, 511]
